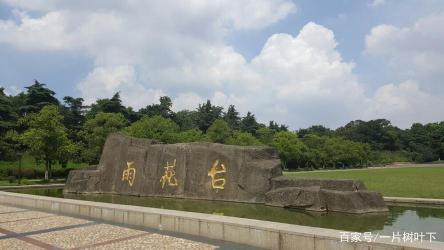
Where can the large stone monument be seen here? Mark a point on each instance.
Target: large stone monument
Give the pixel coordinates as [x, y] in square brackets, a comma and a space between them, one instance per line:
[210, 171]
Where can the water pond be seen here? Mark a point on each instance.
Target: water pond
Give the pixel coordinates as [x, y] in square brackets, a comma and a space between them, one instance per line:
[398, 219]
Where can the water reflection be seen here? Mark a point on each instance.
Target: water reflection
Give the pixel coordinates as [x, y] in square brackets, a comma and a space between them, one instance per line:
[398, 219]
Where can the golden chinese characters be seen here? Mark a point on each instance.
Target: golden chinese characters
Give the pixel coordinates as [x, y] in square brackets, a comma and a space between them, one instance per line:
[129, 174]
[169, 174]
[217, 183]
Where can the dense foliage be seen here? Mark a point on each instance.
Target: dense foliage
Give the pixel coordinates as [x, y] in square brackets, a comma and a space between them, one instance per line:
[36, 122]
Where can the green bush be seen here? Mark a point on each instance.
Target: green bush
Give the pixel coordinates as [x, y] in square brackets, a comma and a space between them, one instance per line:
[11, 179]
[387, 157]
[30, 173]
[25, 182]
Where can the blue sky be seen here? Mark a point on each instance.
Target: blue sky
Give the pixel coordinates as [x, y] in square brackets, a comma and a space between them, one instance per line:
[299, 62]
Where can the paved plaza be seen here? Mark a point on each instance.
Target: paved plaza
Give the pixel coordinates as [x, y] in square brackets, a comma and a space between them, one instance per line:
[30, 229]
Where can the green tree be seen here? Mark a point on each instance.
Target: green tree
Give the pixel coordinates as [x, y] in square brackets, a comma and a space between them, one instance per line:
[425, 142]
[73, 116]
[232, 117]
[276, 127]
[344, 153]
[380, 133]
[315, 130]
[249, 124]
[162, 109]
[265, 135]
[219, 131]
[207, 114]
[242, 139]
[316, 156]
[8, 119]
[46, 137]
[131, 115]
[156, 128]
[18, 102]
[96, 130]
[112, 105]
[186, 120]
[438, 139]
[291, 149]
[192, 135]
[37, 96]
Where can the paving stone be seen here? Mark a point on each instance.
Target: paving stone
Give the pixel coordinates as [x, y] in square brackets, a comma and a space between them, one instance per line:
[156, 241]
[83, 236]
[41, 223]
[22, 216]
[15, 244]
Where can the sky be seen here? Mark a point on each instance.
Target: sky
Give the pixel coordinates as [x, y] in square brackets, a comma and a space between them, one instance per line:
[300, 63]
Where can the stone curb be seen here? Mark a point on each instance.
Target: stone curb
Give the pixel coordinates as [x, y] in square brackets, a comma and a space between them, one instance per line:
[414, 201]
[264, 234]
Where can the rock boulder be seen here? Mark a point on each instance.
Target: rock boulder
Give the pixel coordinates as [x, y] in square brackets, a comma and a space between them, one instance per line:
[213, 171]
[187, 170]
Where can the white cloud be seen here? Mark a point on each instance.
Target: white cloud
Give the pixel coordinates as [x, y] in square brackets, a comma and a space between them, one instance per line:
[308, 76]
[105, 82]
[47, 32]
[414, 52]
[192, 100]
[31, 5]
[406, 103]
[188, 101]
[10, 90]
[377, 3]
[256, 14]
[146, 49]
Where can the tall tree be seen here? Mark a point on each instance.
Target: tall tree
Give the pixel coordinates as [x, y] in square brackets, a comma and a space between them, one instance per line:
[156, 127]
[265, 135]
[380, 133]
[7, 115]
[8, 119]
[232, 117]
[276, 127]
[291, 149]
[186, 119]
[219, 131]
[242, 139]
[422, 143]
[73, 113]
[46, 137]
[107, 105]
[315, 130]
[162, 109]
[249, 124]
[112, 105]
[96, 130]
[192, 135]
[207, 114]
[37, 96]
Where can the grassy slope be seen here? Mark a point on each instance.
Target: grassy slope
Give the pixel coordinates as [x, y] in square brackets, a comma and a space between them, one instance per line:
[29, 162]
[424, 182]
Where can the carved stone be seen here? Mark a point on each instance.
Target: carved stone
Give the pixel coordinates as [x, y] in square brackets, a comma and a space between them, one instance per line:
[212, 171]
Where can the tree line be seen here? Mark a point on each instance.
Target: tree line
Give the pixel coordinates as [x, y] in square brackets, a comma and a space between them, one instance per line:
[35, 121]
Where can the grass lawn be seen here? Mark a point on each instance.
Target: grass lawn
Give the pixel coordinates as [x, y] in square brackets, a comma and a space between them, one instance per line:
[29, 162]
[31, 171]
[419, 182]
